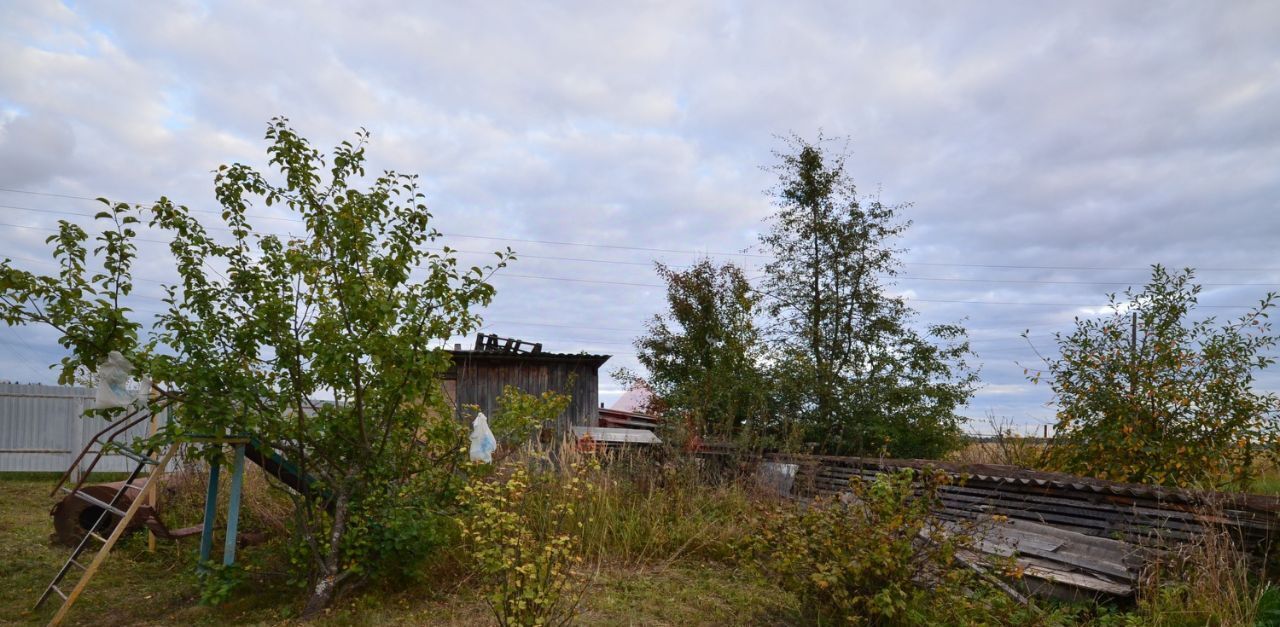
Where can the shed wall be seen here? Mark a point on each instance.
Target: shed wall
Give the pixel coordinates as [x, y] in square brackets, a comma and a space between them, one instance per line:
[481, 383]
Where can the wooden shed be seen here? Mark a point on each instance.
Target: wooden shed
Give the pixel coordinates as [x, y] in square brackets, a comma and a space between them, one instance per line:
[479, 376]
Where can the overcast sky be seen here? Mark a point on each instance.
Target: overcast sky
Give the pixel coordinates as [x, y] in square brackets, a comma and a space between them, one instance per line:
[1051, 152]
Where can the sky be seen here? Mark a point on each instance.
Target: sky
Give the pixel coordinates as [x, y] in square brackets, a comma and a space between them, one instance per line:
[1050, 153]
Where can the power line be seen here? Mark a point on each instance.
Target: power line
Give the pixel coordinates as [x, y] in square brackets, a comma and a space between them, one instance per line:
[461, 235]
[659, 285]
[638, 263]
[609, 246]
[575, 280]
[1042, 282]
[673, 250]
[1098, 268]
[522, 255]
[22, 354]
[561, 326]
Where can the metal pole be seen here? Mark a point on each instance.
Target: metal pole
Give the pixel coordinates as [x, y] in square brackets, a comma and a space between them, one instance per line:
[233, 507]
[210, 513]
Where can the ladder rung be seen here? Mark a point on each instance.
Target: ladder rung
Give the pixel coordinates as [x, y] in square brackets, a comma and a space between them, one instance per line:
[97, 537]
[135, 456]
[90, 499]
[55, 588]
[77, 564]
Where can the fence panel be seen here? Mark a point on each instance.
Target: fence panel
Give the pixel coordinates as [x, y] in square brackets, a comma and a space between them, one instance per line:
[43, 428]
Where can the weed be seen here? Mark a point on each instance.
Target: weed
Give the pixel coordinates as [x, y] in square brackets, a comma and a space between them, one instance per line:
[864, 559]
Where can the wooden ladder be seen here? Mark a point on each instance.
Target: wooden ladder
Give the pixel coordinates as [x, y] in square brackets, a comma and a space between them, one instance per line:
[109, 509]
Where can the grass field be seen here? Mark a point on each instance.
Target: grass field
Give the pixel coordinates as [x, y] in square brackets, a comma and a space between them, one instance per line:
[663, 562]
[137, 587]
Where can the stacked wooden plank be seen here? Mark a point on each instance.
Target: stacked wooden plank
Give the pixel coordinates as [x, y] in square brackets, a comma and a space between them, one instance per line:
[1068, 532]
[616, 418]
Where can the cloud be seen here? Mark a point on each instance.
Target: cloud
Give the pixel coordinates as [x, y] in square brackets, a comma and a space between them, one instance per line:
[1071, 145]
[34, 149]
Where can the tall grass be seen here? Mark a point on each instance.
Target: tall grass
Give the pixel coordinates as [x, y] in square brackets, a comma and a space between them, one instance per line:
[647, 509]
[1005, 447]
[1205, 582]
[263, 510]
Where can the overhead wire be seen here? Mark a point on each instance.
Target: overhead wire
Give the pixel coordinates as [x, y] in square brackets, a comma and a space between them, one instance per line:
[669, 250]
[695, 252]
[659, 285]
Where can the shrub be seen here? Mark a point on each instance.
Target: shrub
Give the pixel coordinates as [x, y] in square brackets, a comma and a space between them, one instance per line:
[523, 421]
[525, 541]
[399, 525]
[1155, 393]
[865, 559]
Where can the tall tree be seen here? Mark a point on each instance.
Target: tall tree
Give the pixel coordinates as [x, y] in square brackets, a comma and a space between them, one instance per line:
[1154, 394]
[853, 374]
[703, 355]
[354, 306]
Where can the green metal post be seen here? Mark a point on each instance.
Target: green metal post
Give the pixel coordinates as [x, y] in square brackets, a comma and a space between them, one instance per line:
[210, 513]
[233, 508]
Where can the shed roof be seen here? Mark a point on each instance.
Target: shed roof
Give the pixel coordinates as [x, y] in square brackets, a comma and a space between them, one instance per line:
[606, 435]
[460, 356]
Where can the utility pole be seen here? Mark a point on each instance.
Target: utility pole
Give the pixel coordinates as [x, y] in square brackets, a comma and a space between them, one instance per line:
[1133, 336]
[1133, 355]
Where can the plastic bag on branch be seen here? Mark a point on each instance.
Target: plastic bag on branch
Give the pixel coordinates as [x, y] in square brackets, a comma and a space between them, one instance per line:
[113, 380]
[483, 444]
[143, 395]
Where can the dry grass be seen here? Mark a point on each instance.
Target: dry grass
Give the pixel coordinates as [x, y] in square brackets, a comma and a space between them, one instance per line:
[135, 587]
[1006, 450]
[1006, 447]
[1205, 582]
[263, 508]
[644, 513]
[1267, 481]
[660, 547]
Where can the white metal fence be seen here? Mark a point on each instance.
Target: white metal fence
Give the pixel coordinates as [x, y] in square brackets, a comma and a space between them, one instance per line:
[43, 428]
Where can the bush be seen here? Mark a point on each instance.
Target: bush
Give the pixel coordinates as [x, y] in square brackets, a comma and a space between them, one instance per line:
[399, 526]
[1156, 393]
[525, 539]
[866, 559]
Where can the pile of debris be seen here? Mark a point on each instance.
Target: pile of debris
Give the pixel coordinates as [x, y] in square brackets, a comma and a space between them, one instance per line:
[1072, 536]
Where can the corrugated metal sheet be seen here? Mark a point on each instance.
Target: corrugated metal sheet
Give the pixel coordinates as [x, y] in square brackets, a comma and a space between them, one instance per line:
[43, 427]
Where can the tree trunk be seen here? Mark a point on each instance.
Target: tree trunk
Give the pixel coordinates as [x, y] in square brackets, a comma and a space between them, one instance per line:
[320, 598]
[327, 583]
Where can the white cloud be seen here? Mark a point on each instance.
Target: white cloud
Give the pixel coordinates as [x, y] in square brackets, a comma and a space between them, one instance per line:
[1085, 135]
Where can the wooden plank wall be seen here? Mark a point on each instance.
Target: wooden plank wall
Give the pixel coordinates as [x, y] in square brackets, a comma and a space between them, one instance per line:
[480, 382]
[1146, 516]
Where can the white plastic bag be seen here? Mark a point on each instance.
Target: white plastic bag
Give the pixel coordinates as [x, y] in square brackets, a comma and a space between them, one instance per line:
[483, 444]
[113, 377]
[144, 391]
